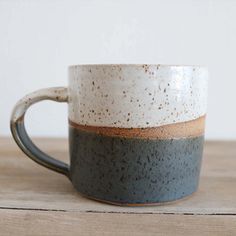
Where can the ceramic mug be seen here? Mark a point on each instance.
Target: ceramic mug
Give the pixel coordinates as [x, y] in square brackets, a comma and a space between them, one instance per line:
[136, 132]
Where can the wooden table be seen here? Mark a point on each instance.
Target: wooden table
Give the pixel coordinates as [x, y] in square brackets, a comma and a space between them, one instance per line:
[37, 201]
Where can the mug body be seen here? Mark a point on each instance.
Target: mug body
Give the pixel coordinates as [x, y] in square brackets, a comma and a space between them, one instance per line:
[136, 132]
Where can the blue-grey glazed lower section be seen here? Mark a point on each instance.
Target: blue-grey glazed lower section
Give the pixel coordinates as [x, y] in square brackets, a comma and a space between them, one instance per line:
[132, 170]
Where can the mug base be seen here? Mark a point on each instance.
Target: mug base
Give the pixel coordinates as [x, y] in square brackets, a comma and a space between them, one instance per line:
[138, 204]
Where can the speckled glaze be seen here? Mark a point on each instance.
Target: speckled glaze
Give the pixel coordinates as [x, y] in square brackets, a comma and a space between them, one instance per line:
[134, 171]
[136, 132]
[136, 95]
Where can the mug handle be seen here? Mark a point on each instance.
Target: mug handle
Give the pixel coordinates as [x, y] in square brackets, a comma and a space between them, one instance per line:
[58, 94]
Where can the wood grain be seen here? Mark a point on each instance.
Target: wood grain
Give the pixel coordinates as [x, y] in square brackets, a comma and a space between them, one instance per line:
[34, 196]
[30, 223]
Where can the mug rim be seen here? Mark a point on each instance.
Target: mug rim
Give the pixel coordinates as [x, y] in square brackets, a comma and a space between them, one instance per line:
[138, 65]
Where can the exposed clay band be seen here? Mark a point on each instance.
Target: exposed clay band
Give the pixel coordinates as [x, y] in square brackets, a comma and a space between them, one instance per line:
[186, 129]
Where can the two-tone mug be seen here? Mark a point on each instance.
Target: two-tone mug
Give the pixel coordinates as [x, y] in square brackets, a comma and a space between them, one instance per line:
[136, 132]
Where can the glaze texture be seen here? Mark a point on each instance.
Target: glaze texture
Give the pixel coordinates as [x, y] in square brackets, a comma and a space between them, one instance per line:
[136, 96]
[133, 170]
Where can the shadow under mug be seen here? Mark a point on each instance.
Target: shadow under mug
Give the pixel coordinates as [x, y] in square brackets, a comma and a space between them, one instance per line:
[136, 132]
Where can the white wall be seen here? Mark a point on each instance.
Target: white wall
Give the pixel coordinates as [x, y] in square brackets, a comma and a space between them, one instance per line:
[39, 39]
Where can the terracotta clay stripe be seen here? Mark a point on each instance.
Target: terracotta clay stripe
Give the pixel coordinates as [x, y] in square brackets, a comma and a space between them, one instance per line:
[186, 129]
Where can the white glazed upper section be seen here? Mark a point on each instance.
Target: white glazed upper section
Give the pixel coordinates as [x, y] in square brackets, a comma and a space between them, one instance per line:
[136, 95]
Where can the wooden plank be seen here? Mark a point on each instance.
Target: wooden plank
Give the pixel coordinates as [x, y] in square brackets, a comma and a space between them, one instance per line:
[27, 185]
[18, 222]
